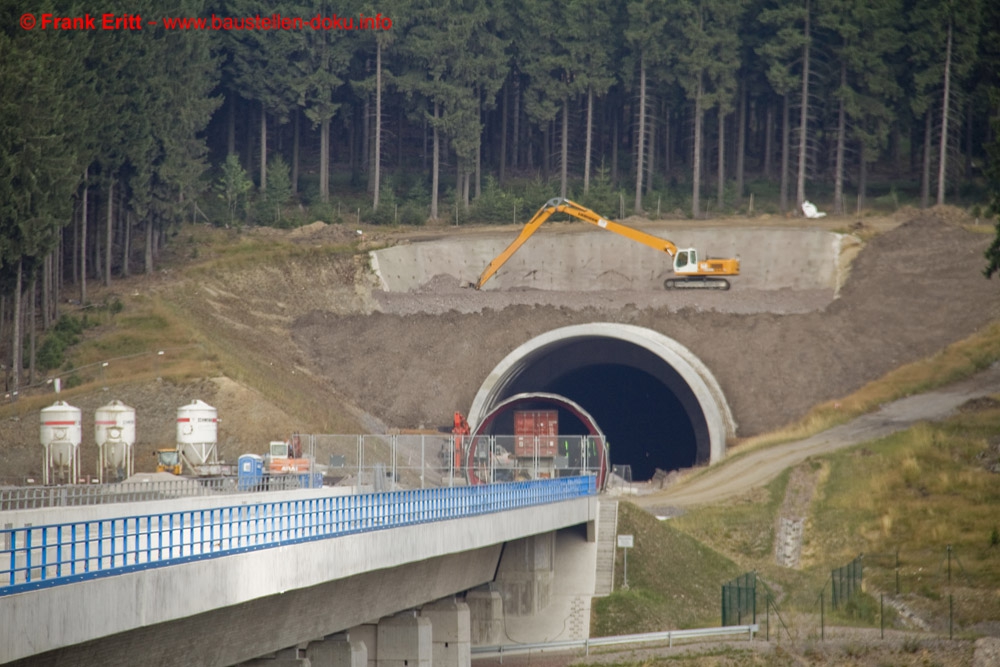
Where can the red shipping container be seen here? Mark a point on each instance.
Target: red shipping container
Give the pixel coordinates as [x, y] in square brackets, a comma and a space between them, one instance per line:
[531, 423]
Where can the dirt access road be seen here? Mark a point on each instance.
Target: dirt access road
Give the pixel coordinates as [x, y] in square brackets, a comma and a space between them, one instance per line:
[740, 475]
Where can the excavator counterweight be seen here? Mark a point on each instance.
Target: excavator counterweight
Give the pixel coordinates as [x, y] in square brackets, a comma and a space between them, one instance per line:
[691, 272]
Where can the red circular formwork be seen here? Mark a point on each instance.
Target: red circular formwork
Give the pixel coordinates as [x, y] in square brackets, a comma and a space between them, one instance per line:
[513, 403]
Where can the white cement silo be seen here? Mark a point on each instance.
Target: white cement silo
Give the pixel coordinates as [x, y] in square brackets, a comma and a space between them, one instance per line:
[114, 433]
[61, 434]
[197, 433]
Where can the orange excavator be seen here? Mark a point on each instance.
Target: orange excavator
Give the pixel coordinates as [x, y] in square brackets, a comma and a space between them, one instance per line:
[691, 272]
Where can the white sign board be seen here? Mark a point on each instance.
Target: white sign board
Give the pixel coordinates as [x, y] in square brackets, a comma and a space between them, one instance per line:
[625, 542]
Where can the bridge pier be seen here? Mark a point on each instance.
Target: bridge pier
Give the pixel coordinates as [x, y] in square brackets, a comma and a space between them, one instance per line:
[451, 632]
[526, 573]
[339, 650]
[404, 640]
[486, 613]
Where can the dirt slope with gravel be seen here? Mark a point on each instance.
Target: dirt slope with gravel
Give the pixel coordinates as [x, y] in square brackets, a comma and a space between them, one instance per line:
[321, 349]
[911, 291]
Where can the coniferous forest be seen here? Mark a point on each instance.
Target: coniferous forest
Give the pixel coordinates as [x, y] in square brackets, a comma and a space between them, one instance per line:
[468, 110]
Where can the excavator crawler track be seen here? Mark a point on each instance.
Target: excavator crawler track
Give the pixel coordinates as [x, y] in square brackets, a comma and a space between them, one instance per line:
[696, 283]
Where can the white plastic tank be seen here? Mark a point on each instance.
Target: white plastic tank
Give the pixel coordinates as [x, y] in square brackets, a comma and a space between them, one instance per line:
[61, 434]
[197, 432]
[114, 433]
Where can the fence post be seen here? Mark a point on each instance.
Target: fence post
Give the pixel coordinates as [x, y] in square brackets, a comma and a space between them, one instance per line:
[822, 620]
[767, 615]
[951, 616]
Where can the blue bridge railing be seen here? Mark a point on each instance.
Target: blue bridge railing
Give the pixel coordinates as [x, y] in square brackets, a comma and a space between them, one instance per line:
[43, 556]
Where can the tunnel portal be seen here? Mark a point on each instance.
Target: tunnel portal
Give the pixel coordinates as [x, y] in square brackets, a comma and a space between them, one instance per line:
[657, 404]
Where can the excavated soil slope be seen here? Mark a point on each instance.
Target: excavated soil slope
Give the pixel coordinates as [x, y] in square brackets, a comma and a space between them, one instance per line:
[911, 291]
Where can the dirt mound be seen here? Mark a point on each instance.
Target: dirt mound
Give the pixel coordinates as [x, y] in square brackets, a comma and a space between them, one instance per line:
[912, 291]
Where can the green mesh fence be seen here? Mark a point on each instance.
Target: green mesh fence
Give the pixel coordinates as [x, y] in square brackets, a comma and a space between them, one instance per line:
[845, 582]
[739, 600]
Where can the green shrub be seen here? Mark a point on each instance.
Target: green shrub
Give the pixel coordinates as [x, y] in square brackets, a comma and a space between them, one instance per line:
[495, 204]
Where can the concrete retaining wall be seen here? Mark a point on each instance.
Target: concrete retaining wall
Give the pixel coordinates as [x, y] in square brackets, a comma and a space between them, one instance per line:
[772, 258]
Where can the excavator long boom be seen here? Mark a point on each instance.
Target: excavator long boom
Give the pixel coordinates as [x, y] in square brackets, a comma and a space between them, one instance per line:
[691, 272]
[560, 205]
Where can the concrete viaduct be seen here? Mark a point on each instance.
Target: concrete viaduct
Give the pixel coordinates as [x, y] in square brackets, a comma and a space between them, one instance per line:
[402, 578]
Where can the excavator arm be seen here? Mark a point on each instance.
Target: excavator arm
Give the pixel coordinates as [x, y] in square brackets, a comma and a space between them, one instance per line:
[560, 205]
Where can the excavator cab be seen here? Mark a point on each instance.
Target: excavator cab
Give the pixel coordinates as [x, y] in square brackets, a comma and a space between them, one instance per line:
[686, 261]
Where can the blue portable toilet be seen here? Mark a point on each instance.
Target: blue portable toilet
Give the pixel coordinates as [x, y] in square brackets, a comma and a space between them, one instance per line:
[250, 472]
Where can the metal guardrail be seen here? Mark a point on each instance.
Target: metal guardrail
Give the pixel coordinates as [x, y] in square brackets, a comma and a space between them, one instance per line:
[78, 495]
[650, 637]
[36, 557]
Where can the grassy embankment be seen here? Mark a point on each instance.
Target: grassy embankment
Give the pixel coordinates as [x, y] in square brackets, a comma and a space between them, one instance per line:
[915, 492]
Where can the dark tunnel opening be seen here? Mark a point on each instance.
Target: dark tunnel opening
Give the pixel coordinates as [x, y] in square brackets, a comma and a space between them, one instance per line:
[649, 414]
[646, 425]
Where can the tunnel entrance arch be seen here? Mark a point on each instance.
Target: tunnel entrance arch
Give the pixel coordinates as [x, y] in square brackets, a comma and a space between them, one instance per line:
[658, 404]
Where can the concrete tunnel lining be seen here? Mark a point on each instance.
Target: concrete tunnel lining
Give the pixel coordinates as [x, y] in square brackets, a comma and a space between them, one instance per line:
[685, 374]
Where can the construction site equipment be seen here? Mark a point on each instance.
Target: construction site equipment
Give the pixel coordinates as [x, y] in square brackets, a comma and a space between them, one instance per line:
[459, 430]
[61, 434]
[168, 460]
[692, 272]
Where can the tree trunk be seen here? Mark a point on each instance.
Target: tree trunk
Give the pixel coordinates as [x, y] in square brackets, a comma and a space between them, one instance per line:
[377, 176]
[785, 150]
[925, 178]
[515, 148]
[614, 147]
[127, 242]
[110, 234]
[296, 136]
[838, 177]
[46, 289]
[943, 161]
[641, 133]
[720, 185]
[667, 139]
[800, 185]
[564, 151]
[769, 141]
[696, 167]
[862, 181]
[651, 148]
[479, 156]
[31, 331]
[83, 242]
[231, 132]
[590, 139]
[263, 148]
[503, 132]
[366, 142]
[436, 166]
[324, 160]
[741, 141]
[16, 338]
[148, 254]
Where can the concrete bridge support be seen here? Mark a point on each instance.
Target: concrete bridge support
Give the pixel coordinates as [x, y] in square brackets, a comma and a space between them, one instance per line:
[526, 573]
[486, 615]
[338, 650]
[404, 640]
[450, 632]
